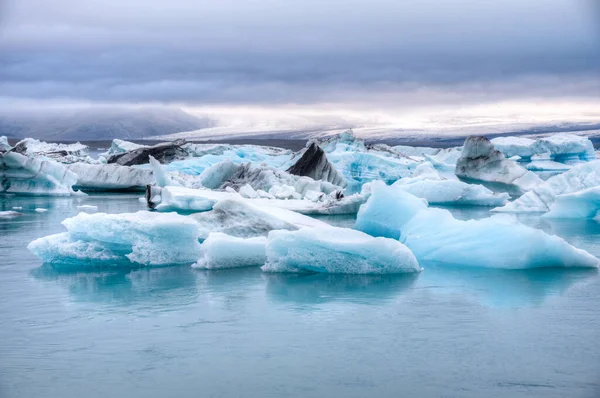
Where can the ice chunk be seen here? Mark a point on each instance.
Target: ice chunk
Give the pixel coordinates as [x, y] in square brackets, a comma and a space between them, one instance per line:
[314, 164]
[121, 146]
[4, 145]
[110, 176]
[214, 176]
[248, 192]
[559, 147]
[144, 238]
[336, 251]
[434, 235]
[17, 208]
[244, 218]
[428, 184]
[223, 251]
[40, 210]
[20, 174]
[88, 207]
[4, 215]
[539, 199]
[163, 152]
[580, 204]
[547, 165]
[480, 161]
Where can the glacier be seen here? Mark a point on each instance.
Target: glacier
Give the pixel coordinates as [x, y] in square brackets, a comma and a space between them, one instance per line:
[539, 199]
[336, 251]
[142, 238]
[427, 183]
[481, 161]
[557, 147]
[434, 235]
[581, 204]
[221, 251]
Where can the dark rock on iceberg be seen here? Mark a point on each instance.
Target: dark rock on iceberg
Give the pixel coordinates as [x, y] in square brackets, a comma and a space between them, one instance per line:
[164, 153]
[314, 164]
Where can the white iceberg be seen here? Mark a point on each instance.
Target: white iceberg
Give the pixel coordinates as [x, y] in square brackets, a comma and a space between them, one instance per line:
[110, 176]
[221, 251]
[4, 145]
[40, 210]
[546, 165]
[480, 161]
[336, 251]
[21, 174]
[434, 235]
[428, 184]
[63, 153]
[143, 238]
[121, 146]
[580, 204]
[6, 215]
[244, 218]
[559, 147]
[579, 177]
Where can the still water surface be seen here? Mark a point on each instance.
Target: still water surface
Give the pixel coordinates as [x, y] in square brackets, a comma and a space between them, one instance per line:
[180, 332]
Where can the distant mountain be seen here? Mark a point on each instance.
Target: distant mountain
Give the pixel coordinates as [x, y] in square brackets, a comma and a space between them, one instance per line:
[99, 123]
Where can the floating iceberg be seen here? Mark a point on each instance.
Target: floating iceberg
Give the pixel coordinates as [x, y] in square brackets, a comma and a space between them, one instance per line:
[480, 161]
[223, 251]
[110, 176]
[580, 204]
[546, 165]
[6, 215]
[143, 238]
[336, 251]
[558, 147]
[121, 146]
[4, 145]
[198, 200]
[428, 184]
[164, 153]
[434, 235]
[244, 219]
[63, 153]
[579, 177]
[314, 164]
[21, 174]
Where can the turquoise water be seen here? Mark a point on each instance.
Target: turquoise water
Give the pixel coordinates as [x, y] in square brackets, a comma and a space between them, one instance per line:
[180, 332]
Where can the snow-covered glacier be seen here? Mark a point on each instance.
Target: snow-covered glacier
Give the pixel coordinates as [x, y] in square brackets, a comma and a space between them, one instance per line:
[539, 199]
[434, 235]
[336, 251]
[142, 238]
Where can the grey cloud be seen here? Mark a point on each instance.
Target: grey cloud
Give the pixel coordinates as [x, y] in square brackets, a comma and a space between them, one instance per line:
[273, 51]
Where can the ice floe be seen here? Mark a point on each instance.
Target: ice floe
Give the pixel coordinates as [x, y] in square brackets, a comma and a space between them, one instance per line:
[110, 177]
[336, 251]
[223, 251]
[4, 215]
[580, 204]
[434, 235]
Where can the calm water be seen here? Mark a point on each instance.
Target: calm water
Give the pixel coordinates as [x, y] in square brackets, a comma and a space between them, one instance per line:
[179, 332]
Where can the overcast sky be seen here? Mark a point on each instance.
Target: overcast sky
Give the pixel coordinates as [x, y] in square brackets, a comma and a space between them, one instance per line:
[379, 53]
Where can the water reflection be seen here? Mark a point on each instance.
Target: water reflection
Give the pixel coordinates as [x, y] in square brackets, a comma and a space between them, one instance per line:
[322, 288]
[505, 288]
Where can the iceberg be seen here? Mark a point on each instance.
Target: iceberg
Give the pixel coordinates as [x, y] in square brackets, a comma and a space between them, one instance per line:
[428, 184]
[245, 219]
[579, 177]
[110, 177]
[480, 161]
[121, 146]
[21, 174]
[164, 153]
[4, 145]
[314, 164]
[336, 251]
[172, 198]
[63, 153]
[221, 251]
[142, 238]
[7, 215]
[558, 147]
[435, 236]
[580, 204]
[546, 165]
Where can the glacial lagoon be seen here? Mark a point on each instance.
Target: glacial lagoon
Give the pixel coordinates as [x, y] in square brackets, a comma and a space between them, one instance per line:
[448, 331]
